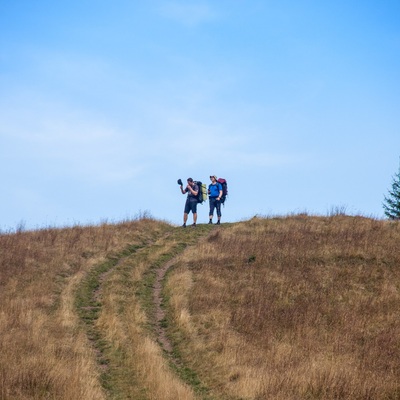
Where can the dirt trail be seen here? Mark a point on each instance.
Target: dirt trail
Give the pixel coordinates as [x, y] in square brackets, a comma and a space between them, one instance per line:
[120, 374]
[159, 312]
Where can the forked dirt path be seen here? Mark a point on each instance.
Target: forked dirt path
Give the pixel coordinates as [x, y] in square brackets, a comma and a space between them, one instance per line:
[118, 291]
[159, 314]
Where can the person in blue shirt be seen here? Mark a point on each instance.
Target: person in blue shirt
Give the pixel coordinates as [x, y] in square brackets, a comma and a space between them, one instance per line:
[215, 194]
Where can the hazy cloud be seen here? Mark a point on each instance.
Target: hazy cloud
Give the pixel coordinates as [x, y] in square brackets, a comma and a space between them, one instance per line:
[71, 142]
[188, 13]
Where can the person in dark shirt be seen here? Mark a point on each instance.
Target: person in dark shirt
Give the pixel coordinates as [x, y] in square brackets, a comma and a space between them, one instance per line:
[192, 189]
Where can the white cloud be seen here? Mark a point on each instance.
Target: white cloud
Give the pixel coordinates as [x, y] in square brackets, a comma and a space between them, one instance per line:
[70, 142]
[70, 67]
[188, 13]
[260, 159]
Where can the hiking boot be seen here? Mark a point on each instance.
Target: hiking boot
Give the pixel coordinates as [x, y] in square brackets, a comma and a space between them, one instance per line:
[210, 222]
[218, 223]
[194, 225]
[184, 226]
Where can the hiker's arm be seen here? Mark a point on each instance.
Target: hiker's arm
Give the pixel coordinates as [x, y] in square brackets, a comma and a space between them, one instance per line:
[194, 192]
[183, 192]
[220, 192]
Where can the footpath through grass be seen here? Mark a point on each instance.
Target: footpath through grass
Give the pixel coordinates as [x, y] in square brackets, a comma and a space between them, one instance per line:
[116, 304]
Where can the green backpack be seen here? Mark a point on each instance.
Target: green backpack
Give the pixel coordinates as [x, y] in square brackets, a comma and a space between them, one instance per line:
[202, 194]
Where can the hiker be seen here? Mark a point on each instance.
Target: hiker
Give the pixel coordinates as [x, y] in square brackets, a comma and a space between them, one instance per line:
[192, 189]
[215, 195]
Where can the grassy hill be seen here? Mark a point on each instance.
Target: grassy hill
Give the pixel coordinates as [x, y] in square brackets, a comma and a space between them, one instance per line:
[296, 307]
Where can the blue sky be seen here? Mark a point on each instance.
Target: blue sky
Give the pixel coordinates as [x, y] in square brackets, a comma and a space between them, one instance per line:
[105, 104]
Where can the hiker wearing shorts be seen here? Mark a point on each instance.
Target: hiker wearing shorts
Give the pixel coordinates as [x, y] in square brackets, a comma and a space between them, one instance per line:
[192, 189]
[215, 195]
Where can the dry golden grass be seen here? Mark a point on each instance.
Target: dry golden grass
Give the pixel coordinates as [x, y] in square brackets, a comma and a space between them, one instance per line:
[44, 353]
[139, 367]
[292, 308]
[276, 308]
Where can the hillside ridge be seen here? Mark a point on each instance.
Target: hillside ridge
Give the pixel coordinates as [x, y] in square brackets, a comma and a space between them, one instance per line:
[295, 307]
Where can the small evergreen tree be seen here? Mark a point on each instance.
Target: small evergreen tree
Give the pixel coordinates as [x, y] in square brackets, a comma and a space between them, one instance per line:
[391, 204]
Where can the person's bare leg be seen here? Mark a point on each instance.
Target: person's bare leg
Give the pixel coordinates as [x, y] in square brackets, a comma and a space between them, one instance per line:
[185, 217]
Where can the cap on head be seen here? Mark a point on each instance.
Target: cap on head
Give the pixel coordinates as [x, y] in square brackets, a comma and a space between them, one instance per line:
[213, 176]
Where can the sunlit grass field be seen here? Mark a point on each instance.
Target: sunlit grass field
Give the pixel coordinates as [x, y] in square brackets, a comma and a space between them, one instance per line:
[292, 308]
[44, 352]
[295, 307]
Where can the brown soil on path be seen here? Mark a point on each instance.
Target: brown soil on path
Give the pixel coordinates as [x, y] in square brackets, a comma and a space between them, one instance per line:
[123, 307]
[159, 312]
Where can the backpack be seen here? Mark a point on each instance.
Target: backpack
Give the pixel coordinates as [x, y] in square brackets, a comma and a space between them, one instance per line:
[224, 185]
[202, 194]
